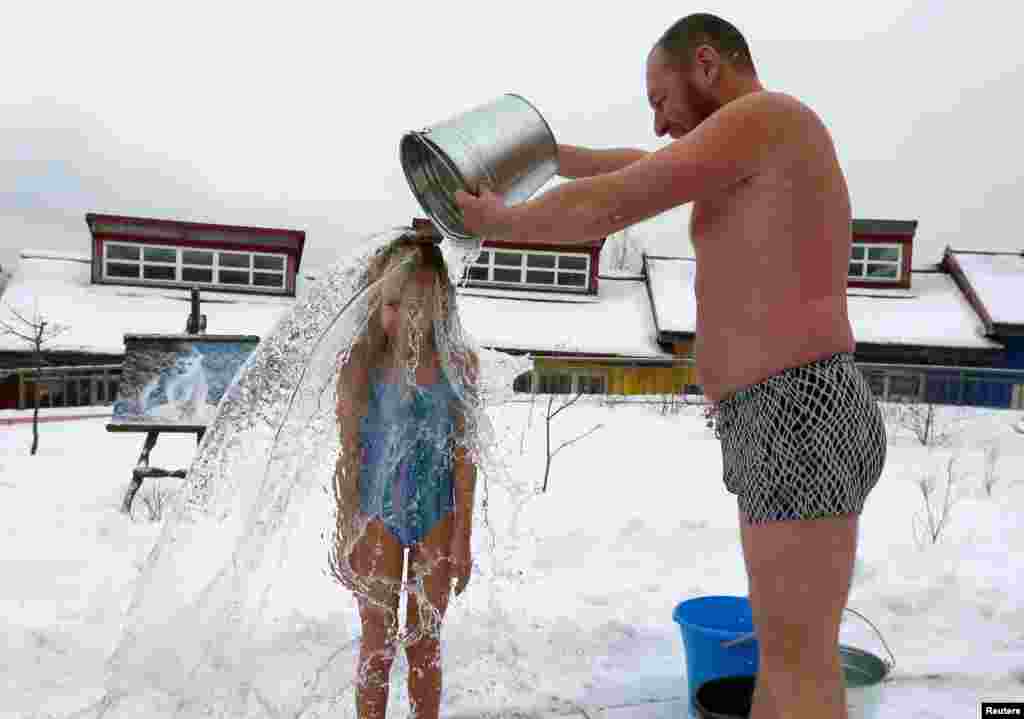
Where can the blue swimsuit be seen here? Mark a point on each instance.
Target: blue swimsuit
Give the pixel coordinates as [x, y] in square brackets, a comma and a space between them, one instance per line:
[406, 468]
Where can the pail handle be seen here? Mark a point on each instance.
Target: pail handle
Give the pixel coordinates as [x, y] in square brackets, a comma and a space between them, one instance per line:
[749, 636]
[892, 664]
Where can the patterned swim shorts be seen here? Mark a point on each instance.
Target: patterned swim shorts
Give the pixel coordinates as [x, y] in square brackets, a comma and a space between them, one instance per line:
[806, 443]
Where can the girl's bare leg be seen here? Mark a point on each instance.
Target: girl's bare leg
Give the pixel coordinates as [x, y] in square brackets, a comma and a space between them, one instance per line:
[377, 560]
[429, 573]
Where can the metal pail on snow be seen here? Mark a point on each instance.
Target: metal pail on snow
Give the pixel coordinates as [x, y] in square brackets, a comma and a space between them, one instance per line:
[721, 658]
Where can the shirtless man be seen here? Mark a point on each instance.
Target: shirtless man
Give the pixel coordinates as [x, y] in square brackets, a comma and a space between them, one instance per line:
[802, 437]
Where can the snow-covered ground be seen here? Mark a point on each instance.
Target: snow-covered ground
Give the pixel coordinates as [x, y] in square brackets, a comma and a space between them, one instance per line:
[634, 521]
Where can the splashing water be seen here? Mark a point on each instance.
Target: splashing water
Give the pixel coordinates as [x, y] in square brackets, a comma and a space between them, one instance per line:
[459, 254]
[351, 428]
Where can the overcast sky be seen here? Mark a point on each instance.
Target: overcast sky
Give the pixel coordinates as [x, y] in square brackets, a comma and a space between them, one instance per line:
[289, 114]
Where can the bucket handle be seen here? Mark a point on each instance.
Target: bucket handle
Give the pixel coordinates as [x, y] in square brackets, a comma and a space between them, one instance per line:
[749, 636]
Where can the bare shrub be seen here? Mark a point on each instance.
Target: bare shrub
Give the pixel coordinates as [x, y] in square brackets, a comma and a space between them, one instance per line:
[925, 422]
[938, 495]
[155, 498]
[990, 476]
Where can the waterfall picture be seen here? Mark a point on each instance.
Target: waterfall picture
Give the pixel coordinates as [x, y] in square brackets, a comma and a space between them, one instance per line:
[177, 381]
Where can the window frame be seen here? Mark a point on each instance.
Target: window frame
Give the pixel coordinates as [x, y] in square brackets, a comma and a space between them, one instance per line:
[524, 267]
[865, 261]
[180, 265]
[575, 377]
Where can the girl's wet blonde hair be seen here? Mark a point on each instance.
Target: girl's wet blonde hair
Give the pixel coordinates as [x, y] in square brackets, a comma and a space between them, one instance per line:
[398, 261]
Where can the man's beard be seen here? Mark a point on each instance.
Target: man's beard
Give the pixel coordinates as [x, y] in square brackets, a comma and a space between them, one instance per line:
[703, 103]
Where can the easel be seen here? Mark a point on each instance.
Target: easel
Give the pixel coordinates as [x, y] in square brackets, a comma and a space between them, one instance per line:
[195, 329]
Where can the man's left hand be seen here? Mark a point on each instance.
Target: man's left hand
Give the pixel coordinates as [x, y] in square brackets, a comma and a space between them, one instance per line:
[483, 216]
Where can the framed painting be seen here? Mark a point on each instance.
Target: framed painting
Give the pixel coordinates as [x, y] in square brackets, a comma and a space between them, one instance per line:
[173, 383]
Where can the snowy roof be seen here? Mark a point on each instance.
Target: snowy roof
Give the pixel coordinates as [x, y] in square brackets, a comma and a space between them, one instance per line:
[998, 281]
[618, 323]
[672, 294]
[932, 313]
[58, 286]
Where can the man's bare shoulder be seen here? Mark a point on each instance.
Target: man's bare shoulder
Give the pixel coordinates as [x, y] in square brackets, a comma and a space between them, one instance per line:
[777, 105]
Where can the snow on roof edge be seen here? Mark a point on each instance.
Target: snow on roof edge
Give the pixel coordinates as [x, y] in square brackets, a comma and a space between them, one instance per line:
[54, 255]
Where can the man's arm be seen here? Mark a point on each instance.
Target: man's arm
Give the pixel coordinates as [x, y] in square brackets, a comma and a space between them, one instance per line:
[577, 162]
[728, 147]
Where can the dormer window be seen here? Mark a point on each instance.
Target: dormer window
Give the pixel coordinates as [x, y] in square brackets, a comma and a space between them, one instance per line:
[532, 269]
[876, 262]
[144, 251]
[164, 264]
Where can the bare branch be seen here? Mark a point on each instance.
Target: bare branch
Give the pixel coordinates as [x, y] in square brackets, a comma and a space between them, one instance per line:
[20, 316]
[8, 330]
[589, 432]
[565, 404]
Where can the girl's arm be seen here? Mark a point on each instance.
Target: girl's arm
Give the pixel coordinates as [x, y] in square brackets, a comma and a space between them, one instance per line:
[465, 469]
[349, 410]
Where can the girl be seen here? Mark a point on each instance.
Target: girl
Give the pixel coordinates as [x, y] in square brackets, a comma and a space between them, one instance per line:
[404, 481]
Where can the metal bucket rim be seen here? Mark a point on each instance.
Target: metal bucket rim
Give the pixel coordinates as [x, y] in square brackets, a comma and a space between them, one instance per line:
[886, 667]
[421, 137]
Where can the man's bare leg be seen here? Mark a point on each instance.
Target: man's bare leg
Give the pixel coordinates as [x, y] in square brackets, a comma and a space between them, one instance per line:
[799, 574]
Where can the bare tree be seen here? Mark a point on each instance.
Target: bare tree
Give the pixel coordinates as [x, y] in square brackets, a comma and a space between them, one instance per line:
[934, 518]
[925, 422]
[550, 415]
[36, 333]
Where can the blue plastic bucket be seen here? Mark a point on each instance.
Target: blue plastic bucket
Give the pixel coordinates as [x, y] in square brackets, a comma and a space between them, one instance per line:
[707, 622]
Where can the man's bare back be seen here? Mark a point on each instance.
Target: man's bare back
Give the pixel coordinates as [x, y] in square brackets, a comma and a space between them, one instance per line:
[772, 255]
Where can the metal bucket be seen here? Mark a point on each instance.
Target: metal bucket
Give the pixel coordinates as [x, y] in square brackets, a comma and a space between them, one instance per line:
[863, 675]
[505, 146]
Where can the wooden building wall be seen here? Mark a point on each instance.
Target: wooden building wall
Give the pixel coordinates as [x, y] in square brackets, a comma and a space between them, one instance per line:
[625, 379]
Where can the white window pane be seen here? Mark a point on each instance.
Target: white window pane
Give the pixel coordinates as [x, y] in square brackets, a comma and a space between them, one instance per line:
[117, 269]
[572, 280]
[122, 252]
[233, 277]
[904, 385]
[887, 254]
[887, 272]
[267, 262]
[555, 384]
[158, 272]
[483, 258]
[478, 273]
[196, 274]
[568, 262]
[267, 279]
[540, 278]
[501, 275]
[856, 270]
[857, 252]
[540, 260]
[227, 259]
[513, 259]
[159, 254]
[196, 257]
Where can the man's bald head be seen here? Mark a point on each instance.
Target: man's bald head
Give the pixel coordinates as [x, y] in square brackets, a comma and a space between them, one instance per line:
[681, 40]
